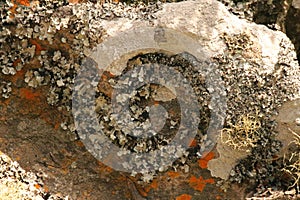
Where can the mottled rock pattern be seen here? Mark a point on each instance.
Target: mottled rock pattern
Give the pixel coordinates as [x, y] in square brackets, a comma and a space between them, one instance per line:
[280, 15]
[258, 66]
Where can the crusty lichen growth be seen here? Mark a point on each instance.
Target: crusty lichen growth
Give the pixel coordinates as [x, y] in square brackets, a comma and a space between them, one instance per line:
[292, 161]
[237, 42]
[244, 134]
[243, 44]
[16, 183]
[13, 190]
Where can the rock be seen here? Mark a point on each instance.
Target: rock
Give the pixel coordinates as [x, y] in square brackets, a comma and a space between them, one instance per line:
[288, 121]
[258, 66]
[278, 15]
[16, 183]
[208, 22]
[222, 166]
[258, 55]
[296, 4]
[163, 94]
[297, 121]
[292, 24]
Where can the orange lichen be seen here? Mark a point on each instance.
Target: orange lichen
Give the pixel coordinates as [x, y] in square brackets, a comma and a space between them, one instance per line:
[203, 161]
[153, 185]
[18, 158]
[184, 197]
[46, 189]
[142, 191]
[23, 2]
[107, 75]
[199, 183]
[65, 164]
[13, 10]
[56, 126]
[79, 144]
[74, 1]
[16, 62]
[15, 5]
[38, 47]
[37, 186]
[104, 86]
[173, 174]
[156, 103]
[18, 76]
[29, 94]
[193, 143]
[104, 168]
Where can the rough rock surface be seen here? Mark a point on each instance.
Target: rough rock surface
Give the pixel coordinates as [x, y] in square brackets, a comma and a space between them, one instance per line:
[288, 121]
[227, 160]
[258, 66]
[16, 183]
[278, 15]
[267, 54]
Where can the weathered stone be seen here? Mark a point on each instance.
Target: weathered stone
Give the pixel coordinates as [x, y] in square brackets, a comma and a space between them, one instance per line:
[288, 121]
[296, 4]
[263, 52]
[221, 33]
[222, 166]
[207, 21]
[280, 15]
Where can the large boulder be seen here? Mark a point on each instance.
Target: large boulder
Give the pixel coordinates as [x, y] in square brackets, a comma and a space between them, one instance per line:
[258, 65]
[256, 70]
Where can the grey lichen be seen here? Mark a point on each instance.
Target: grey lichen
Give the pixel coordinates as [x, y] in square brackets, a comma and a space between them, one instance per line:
[5, 89]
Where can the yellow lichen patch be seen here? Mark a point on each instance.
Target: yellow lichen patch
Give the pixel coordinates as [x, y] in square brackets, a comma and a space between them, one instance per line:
[199, 183]
[37, 186]
[243, 134]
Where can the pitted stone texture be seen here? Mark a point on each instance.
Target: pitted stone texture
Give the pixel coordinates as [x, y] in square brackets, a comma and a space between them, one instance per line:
[207, 21]
[270, 57]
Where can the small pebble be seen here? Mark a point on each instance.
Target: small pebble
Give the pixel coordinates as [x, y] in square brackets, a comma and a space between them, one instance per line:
[297, 121]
